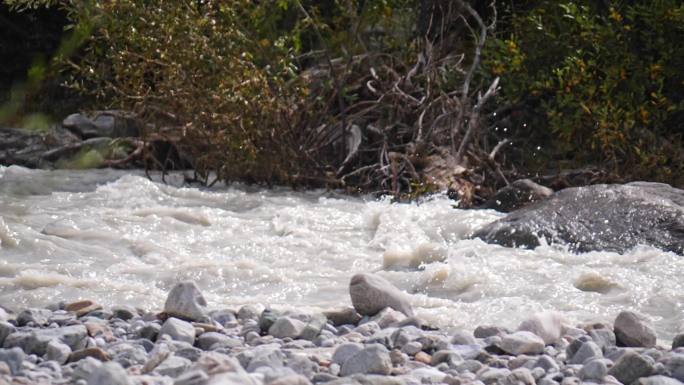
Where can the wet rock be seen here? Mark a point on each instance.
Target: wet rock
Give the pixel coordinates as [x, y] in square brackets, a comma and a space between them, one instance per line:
[173, 366]
[594, 370]
[518, 194]
[374, 359]
[109, 373]
[150, 331]
[677, 341]
[633, 330]
[57, 351]
[344, 316]
[484, 331]
[344, 351]
[111, 124]
[95, 353]
[658, 380]
[547, 325]
[34, 316]
[185, 301]
[82, 308]
[13, 358]
[522, 342]
[630, 367]
[6, 329]
[598, 217]
[178, 330]
[124, 312]
[285, 327]
[35, 342]
[371, 293]
[604, 338]
[192, 377]
[587, 351]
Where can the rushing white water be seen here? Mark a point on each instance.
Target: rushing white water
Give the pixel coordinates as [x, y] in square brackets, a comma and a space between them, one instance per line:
[119, 238]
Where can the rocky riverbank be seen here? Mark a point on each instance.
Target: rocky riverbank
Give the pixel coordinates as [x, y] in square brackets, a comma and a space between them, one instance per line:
[188, 344]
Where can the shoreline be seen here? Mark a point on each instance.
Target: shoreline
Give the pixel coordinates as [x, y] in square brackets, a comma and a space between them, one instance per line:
[189, 344]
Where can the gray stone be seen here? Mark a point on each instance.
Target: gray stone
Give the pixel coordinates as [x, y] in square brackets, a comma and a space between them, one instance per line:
[270, 357]
[387, 317]
[302, 365]
[38, 317]
[85, 368]
[285, 327]
[13, 358]
[630, 367]
[374, 359]
[371, 293]
[520, 376]
[248, 312]
[412, 348]
[518, 194]
[491, 376]
[36, 341]
[485, 331]
[344, 351]
[461, 337]
[547, 363]
[344, 316]
[588, 351]
[192, 377]
[547, 325]
[206, 340]
[173, 366]
[6, 329]
[124, 312]
[313, 328]
[522, 342]
[448, 356]
[658, 380]
[224, 317]
[633, 330]
[185, 301]
[111, 124]
[295, 379]
[57, 351]
[677, 342]
[109, 373]
[178, 330]
[150, 331]
[675, 365]
[594, 370]
[604, 338]
[597, 217]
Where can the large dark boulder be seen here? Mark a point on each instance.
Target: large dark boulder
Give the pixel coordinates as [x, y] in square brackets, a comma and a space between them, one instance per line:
[518, 194]
[598, 217]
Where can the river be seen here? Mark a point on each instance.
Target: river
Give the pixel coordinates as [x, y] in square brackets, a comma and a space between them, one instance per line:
[118, 238]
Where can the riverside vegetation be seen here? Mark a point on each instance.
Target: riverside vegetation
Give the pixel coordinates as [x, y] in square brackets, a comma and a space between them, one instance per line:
[377, 341]
[389, 96]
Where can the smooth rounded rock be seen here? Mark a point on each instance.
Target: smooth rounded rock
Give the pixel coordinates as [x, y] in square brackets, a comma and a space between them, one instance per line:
[185, 301]
[371, 293]
[634, 330]
[594, 370]
[631, 366]
[587, 351]
[287, 327]
[344, 351]
[522, 342]
[374, 359]
[110, 373]
[547, 325]
[178, 330]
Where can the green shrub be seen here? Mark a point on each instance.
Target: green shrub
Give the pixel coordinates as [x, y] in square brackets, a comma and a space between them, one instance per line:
[599, 85]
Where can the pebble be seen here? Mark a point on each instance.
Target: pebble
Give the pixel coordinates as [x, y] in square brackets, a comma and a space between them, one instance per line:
[370, 294]
[338, 347]
[185, 301]
[522, 342]
[110, 373]
[178, 330]
[374, 359]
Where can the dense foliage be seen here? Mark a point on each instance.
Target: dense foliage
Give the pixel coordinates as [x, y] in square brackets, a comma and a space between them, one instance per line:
[390, 95]
[597, 82]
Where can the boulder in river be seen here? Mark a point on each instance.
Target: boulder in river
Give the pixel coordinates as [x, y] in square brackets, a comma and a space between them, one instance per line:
[599, 217]
[518, 194]
[371, 293]
[634, 330]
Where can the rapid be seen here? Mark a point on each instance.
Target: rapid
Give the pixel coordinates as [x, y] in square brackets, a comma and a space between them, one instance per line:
[119, 238]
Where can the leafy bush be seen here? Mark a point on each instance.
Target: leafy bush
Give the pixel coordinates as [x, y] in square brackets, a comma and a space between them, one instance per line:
[597, 84]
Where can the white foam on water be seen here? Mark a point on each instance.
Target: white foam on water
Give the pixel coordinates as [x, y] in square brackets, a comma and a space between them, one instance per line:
[119, 238]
